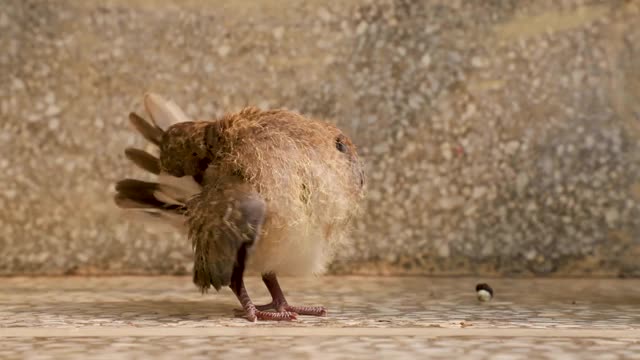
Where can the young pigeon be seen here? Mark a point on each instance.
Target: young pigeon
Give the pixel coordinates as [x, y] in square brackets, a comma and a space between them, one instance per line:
[268, 192]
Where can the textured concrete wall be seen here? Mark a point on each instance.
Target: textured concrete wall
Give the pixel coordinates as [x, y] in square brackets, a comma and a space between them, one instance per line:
[501, 137]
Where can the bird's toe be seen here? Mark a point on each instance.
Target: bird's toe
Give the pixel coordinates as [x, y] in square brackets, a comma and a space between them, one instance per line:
[307, 310]
[276, 316]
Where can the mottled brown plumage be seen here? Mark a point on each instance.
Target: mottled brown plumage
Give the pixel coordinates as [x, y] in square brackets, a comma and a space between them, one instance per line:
[269, 192]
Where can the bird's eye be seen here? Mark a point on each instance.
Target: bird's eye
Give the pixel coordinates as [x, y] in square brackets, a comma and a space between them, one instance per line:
[340, 145]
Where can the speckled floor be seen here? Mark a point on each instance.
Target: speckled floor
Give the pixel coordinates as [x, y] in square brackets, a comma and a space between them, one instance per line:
[166, 317]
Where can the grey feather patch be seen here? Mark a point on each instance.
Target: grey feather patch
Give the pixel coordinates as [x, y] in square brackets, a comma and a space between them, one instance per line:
[222, 221]
[143, 159]
[149, 131]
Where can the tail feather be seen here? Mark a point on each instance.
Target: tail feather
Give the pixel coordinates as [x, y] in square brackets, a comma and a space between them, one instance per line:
[143, 160]
[138, 190]
[162, 195]
[148, 202]
[163, 112]
[149, 131]
[185, 186]
[124, 202]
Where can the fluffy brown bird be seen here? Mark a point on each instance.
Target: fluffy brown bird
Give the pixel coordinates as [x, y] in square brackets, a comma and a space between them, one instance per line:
[266, 192]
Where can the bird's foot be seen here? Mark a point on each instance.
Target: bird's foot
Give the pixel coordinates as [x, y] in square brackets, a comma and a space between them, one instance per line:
[253, 314]
[300, 310]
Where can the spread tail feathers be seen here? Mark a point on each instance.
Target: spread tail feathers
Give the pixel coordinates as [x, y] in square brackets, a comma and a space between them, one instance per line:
[162, 202]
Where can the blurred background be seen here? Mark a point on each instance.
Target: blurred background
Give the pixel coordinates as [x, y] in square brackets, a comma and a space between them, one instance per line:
[500, 137]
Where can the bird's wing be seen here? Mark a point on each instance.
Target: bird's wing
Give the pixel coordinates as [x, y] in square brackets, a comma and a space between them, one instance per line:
[224, 223]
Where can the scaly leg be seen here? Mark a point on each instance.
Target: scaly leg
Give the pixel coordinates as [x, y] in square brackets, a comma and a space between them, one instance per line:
[250, 310]
[279, 303]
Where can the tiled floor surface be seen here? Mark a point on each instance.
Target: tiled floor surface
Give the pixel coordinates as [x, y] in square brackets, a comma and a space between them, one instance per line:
[166, 317]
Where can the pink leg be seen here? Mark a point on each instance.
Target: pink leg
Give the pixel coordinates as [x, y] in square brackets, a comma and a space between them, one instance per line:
[279, 303]
[252, 313]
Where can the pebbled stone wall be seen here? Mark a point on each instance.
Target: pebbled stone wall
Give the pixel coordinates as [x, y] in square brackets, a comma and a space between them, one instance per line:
[501, 137]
